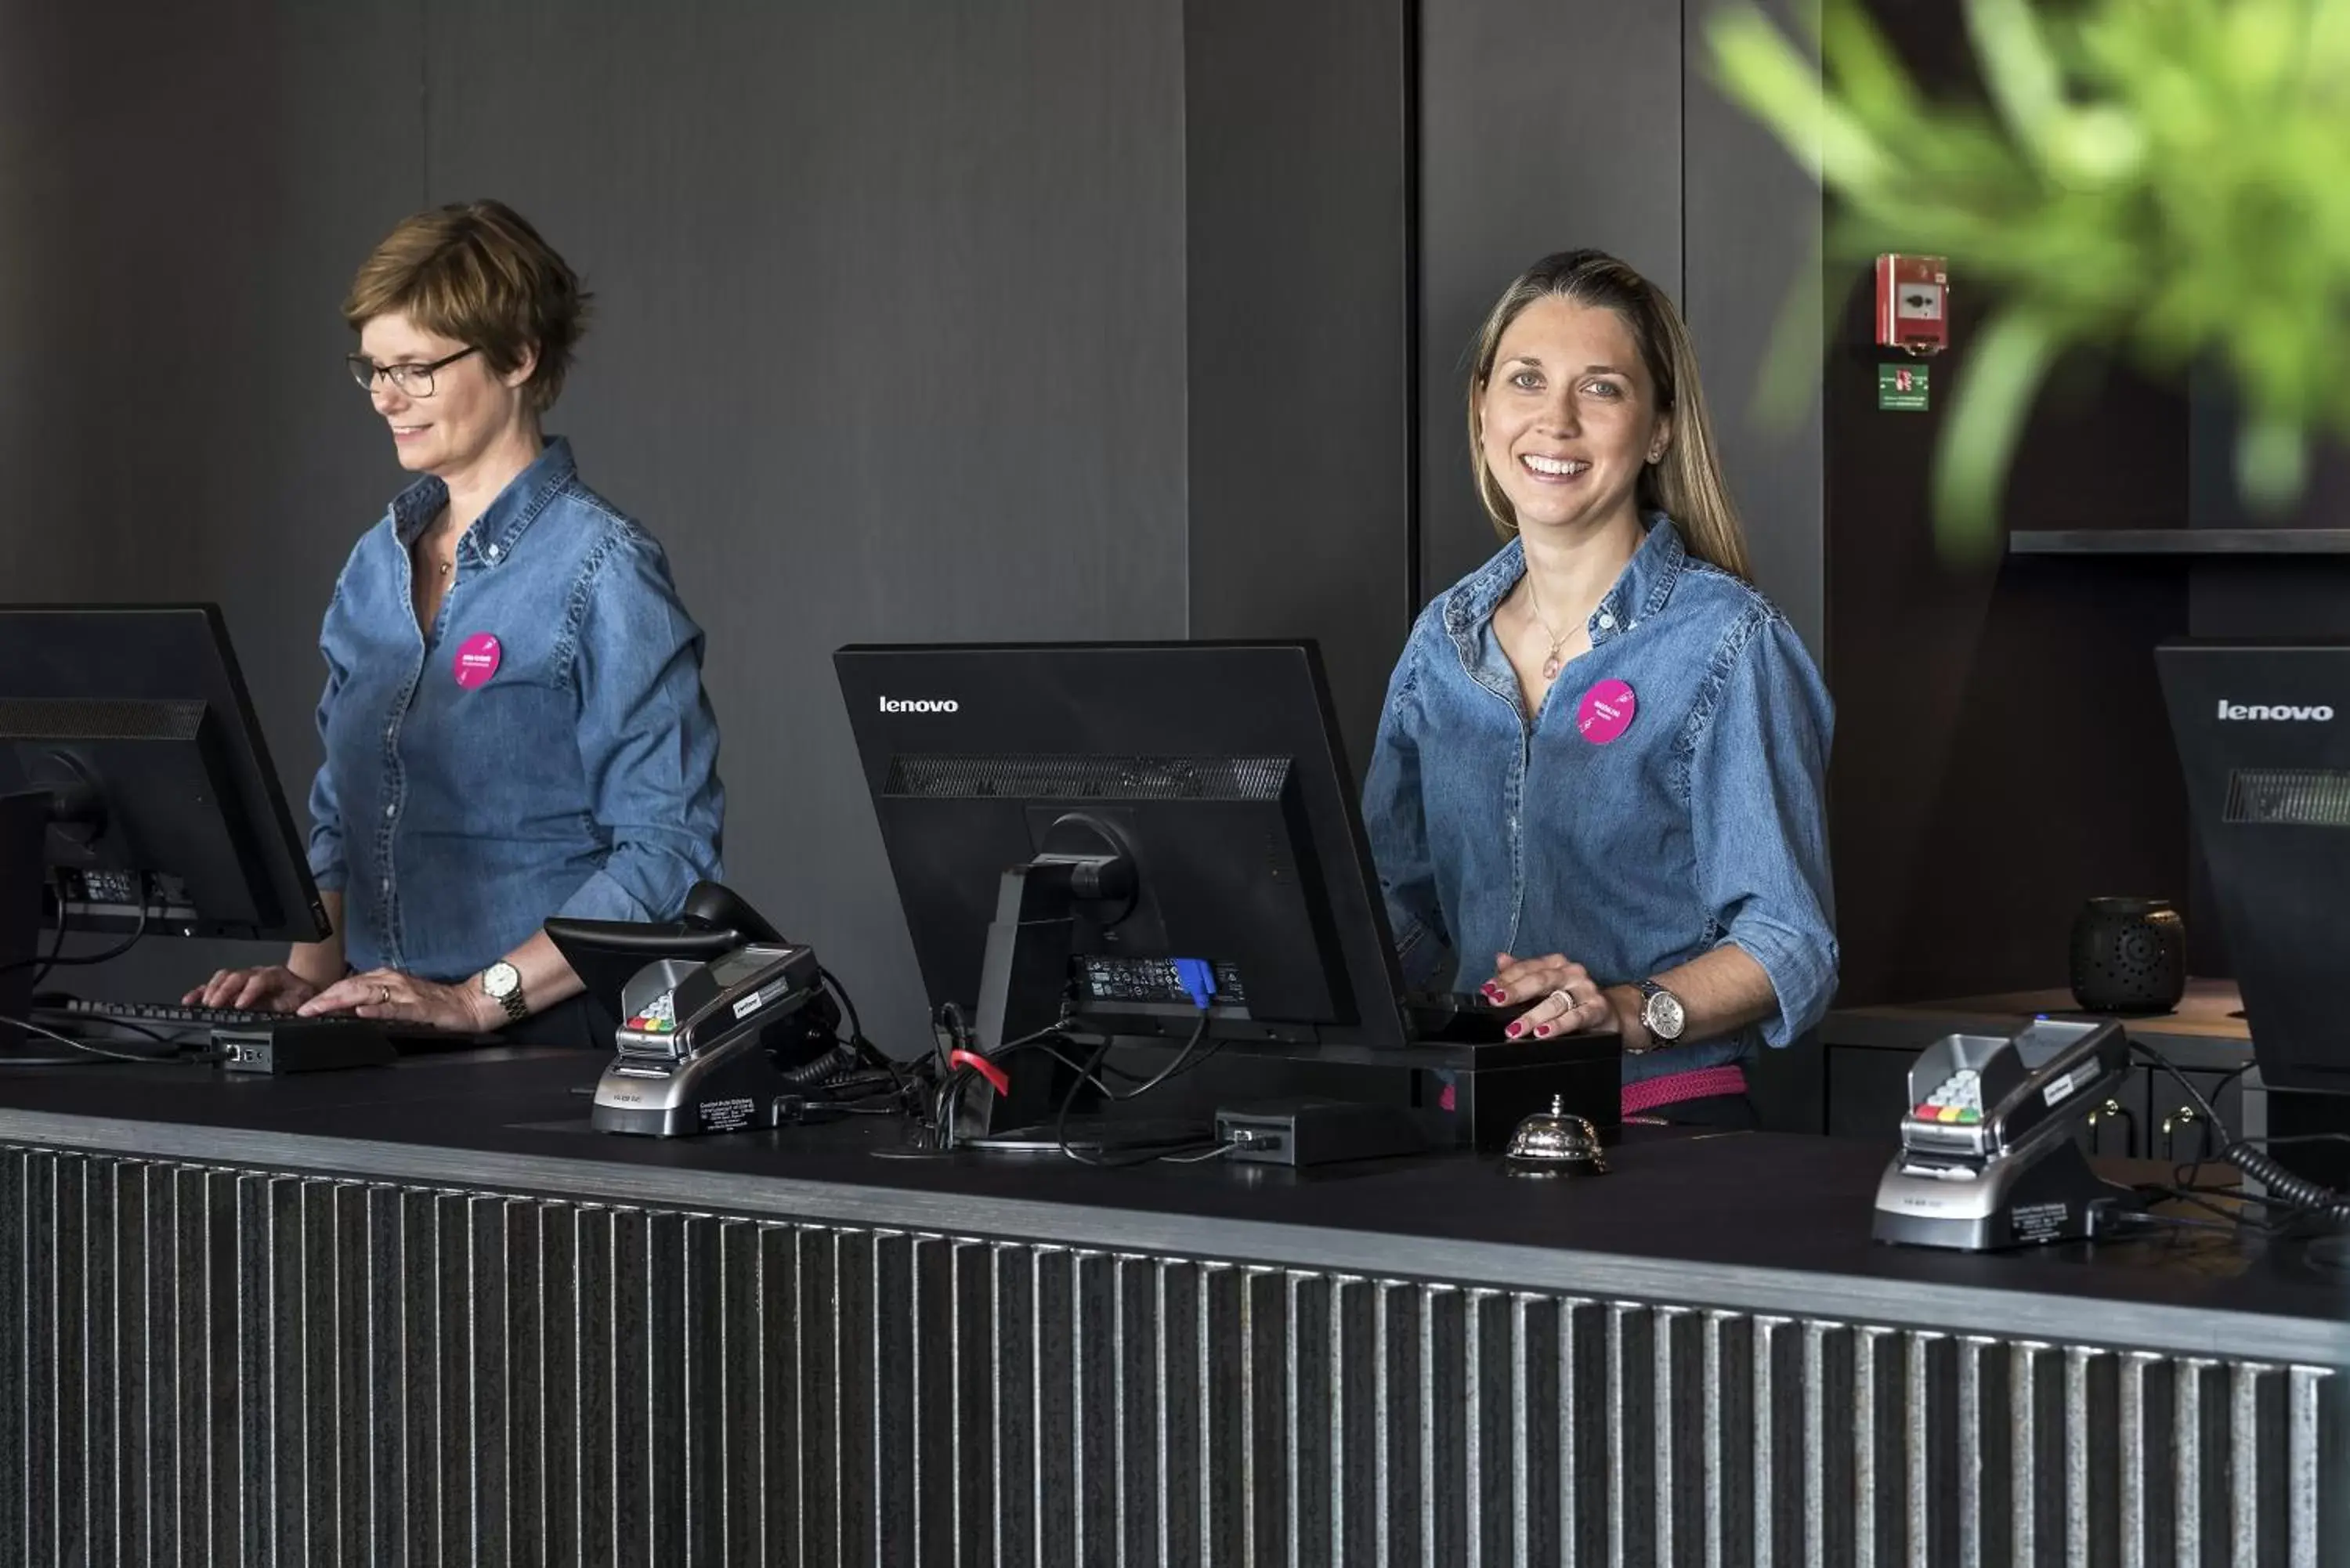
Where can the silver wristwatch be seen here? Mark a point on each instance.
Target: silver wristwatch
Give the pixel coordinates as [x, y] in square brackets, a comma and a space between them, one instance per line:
[1661, 1012]
[502, 983]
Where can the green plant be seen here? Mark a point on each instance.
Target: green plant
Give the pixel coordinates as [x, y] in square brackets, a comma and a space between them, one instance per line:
[2164, 180]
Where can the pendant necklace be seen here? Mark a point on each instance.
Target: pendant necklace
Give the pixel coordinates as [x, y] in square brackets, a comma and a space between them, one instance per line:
[1553, 664]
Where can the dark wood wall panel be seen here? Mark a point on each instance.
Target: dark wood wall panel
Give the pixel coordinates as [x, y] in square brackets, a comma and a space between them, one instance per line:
[1544, 127]
[2001, 747]
[1297, 141]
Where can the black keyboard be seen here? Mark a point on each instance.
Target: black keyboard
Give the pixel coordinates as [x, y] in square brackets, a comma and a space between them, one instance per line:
[169, 1017]
[176, 1020]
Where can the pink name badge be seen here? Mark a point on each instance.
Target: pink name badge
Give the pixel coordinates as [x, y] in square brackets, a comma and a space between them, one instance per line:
[1605, 711]
[477, 660]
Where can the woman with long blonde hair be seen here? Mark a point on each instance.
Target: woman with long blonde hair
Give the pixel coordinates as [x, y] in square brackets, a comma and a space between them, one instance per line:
[1604, 747]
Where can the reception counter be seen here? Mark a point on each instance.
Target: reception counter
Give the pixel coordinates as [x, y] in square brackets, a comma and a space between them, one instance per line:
[425, 1313]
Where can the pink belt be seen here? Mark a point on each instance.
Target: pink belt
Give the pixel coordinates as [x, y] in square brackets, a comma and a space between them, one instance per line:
[1674, 1088]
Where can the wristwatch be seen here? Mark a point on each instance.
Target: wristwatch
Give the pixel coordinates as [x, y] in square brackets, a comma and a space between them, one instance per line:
[1661, 1013]
[502, 983]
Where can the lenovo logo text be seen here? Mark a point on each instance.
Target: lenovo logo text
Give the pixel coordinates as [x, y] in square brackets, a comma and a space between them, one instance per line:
[926, 705]
[2265, 712]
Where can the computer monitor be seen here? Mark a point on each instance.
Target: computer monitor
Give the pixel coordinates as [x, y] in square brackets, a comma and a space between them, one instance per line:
[127, 731]
[1066, 821]
[2264, 732]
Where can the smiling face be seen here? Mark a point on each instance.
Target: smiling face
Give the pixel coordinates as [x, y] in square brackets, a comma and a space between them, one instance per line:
[1567, 417]
[472, 408]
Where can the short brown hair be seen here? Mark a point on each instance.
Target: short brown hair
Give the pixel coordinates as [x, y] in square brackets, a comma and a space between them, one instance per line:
[1686, 485]
[477, 272]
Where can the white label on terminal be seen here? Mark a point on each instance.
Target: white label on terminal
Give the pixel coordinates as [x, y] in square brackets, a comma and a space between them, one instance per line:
[749, 1005]
[2058, 1088]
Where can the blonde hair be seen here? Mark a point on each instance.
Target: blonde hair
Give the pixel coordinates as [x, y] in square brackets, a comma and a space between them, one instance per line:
[476, 272]
[1686, 483]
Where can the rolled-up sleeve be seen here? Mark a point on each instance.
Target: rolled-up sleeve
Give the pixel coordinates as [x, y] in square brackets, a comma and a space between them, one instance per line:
[648, 741]
[1758, 793]
[1395, 822]
[328, 869]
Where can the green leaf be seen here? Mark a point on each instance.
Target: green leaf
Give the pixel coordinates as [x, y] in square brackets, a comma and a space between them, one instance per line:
[1799, 337]
[1868, 76]
[2016, 65]
[1757, 66]
[2271, 464]
[2002, 378]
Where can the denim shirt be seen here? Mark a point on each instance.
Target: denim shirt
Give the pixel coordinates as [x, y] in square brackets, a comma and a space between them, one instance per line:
[1701, 824]
[578, 778]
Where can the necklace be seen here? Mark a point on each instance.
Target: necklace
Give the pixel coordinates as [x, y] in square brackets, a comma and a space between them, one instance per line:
[1553, 664]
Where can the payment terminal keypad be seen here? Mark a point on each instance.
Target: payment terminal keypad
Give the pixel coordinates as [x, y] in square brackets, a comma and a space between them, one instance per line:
[1957, 1099]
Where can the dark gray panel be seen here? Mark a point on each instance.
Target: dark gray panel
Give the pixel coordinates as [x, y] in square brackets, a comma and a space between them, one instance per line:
[1751, 229]
[1296, 160]
[187, 193]
[1545, 124]
[1645, 1429]
[889, 347]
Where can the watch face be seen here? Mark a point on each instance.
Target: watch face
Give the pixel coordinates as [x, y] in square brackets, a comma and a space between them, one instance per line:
[1664, 1015]
[500, 979]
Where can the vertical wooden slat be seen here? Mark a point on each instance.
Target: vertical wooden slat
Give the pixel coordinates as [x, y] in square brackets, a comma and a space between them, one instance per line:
[237, 1366]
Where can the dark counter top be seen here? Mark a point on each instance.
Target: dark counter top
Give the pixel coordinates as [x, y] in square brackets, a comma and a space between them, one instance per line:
[1748, 1222]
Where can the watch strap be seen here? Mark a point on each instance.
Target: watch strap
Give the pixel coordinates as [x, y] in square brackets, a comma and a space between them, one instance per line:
[510, 1000]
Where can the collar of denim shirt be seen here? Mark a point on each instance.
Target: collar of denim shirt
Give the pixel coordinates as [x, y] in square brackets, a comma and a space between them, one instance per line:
[1641, 589]
[491, 541]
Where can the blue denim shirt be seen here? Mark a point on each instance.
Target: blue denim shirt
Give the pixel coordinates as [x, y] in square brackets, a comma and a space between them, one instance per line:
[1702, 824]
[580, 778]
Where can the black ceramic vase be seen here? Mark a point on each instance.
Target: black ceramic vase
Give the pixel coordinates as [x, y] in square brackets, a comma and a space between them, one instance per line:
[2129, 955]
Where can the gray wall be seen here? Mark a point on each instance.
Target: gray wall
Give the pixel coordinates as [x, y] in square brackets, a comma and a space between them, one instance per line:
[915, 322]
[1544, 127]
[890, 344]
[1298, 166]
[1547, 126]
[1751, 238]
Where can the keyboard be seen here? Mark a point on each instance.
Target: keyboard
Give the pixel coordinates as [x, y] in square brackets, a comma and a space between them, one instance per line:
[167, 1017]
[178, 1022]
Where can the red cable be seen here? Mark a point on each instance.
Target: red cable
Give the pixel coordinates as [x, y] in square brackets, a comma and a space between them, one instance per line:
[996, 1077]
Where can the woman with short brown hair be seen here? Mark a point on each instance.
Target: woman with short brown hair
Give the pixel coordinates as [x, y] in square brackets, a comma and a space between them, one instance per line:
[513, 719]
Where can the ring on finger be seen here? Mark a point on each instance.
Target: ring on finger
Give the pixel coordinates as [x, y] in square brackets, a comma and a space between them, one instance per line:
[1565, 996]
[382, 995]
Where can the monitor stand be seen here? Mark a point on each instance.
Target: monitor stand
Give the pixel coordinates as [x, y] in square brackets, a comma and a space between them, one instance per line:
[1024, 974]
[24, 825]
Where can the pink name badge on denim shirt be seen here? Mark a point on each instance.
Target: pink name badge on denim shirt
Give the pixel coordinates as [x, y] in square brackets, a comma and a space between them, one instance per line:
[1605, 711]
[477, 660]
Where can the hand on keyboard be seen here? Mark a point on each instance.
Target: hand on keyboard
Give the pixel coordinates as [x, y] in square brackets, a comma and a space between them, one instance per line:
[272, 988]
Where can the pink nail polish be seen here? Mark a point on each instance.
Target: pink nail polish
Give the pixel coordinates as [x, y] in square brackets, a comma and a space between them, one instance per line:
[1513, 1031]
[1541, 1031]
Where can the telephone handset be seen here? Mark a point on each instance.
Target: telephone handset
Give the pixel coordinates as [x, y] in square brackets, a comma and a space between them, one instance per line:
[712, 906]
[1987, 1158]
[607, 955]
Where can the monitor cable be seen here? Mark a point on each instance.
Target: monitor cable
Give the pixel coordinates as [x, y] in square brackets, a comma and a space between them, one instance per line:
[103, 1057]
[2298, 1197]
[51, 960]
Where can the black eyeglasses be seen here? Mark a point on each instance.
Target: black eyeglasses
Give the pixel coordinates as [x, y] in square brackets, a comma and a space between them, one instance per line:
[416, 380]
